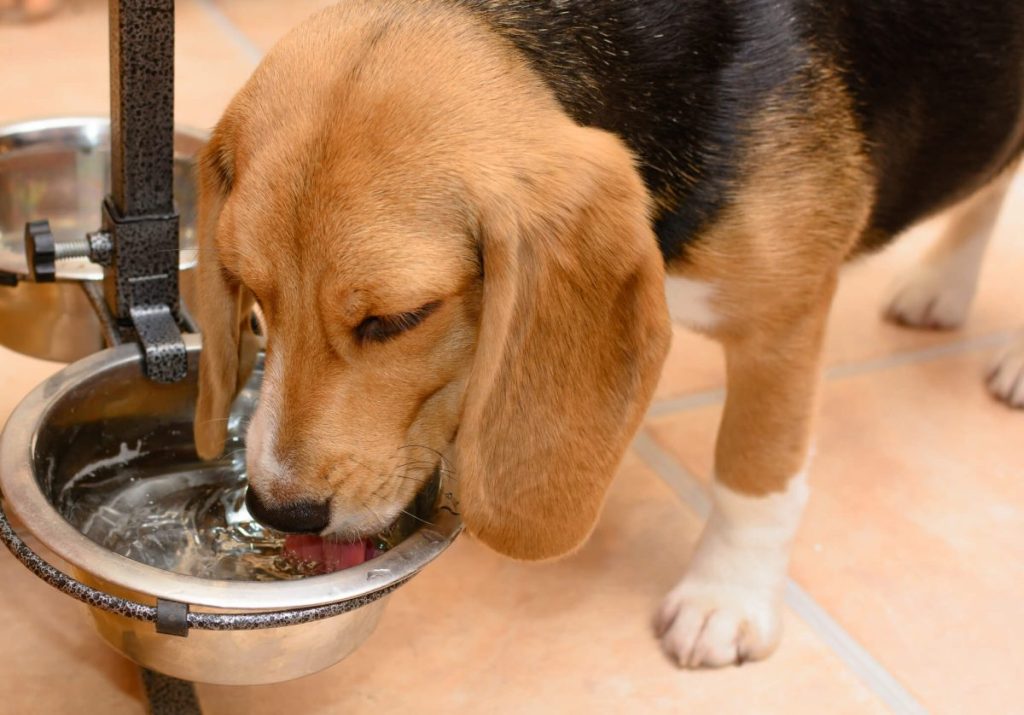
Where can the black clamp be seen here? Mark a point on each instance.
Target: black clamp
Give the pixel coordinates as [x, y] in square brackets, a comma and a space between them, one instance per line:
[145, 287]
[171, 618]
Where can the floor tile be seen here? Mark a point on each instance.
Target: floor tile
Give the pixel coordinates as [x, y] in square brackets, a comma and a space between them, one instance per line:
[60, 66]
[54, 663]
[264, 22]
[694, 363]
[209, 67]
[914, 538]
[19, 374]
[479, 633]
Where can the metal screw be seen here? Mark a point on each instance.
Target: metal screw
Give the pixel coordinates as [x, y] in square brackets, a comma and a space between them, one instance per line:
[76, 248]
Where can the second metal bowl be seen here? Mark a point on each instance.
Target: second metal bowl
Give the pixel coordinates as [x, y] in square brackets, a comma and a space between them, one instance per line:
[59, 169]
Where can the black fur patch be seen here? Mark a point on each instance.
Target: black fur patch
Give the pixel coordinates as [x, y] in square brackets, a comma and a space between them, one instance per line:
[938, 89]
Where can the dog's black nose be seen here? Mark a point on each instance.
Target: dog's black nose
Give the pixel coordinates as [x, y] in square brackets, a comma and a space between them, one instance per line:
[304, 517]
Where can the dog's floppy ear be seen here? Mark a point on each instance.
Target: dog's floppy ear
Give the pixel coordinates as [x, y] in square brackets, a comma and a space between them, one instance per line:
[573, 333]
[229, 345]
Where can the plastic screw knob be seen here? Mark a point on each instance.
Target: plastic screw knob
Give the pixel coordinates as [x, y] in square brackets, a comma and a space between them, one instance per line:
[40, 252]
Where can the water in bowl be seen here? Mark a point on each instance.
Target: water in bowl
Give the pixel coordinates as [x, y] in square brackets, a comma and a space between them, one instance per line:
[191, 519]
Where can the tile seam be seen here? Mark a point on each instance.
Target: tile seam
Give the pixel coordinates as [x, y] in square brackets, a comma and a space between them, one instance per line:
[871, 673]
[251, 51]
[715, 396]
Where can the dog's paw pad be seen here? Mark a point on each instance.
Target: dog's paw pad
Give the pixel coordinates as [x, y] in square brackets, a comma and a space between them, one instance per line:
[932, 300]
[710, 626]
[1006, 379]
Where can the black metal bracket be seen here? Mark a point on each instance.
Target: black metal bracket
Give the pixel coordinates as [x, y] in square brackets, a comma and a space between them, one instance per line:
[139, 215]
[142, 288]
[138, 243]
[171, 618]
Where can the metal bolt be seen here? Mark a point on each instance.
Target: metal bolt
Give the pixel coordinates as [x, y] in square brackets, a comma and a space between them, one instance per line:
[76, 248]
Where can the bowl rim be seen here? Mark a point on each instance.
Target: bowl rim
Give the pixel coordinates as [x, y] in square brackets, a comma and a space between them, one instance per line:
[31, 125]
[25, 498]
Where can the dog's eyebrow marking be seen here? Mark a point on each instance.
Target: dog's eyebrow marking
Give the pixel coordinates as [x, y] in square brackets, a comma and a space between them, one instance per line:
[381, 328]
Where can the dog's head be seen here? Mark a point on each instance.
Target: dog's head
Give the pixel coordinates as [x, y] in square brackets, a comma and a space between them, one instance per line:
[449, 271]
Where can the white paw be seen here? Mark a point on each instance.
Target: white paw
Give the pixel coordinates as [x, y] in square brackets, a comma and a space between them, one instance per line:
[931, 298]
[727, 608]
[705, 624]
[1006, 380]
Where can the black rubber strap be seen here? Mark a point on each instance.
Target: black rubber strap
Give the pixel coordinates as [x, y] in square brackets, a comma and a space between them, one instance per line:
[144, 612]
[171, 618]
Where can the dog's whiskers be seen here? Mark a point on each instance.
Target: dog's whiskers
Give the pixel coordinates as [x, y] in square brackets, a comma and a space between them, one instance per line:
[380, 521]
[417, 518]
[443, 466]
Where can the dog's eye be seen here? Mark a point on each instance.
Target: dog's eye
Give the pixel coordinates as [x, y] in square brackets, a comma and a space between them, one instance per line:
[381, 328]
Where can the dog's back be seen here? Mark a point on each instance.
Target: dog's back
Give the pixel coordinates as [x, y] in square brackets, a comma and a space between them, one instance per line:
[936, 89]
[938, 86]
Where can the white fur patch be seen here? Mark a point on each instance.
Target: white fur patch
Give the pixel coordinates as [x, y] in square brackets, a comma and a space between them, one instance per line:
[727, 608]
[261, 438]
[690, 302]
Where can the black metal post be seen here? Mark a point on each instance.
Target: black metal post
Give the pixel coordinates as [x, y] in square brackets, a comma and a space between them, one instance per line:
[169, 696]
[142, 282]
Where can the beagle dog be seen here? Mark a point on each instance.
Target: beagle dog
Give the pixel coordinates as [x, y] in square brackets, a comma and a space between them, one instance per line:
[457, 218]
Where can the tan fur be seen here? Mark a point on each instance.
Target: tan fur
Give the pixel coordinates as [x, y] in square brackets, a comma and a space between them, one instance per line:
[223, 310]
[372, 188]
[773, 259]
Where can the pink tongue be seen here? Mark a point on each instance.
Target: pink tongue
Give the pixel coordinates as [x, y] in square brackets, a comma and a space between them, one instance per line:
[331, 555]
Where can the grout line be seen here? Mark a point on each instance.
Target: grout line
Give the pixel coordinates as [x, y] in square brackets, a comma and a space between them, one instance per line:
[251, 51]
[705, 398]
[860, 662]
[884, 685]
[671, 405]
[686, 486]
[981, 342]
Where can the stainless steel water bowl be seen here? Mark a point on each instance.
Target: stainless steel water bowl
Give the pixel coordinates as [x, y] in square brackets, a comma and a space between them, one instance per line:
[84, 414]
[59, 169]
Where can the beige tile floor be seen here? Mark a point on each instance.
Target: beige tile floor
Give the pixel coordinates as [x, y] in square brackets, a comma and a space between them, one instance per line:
[908, 576]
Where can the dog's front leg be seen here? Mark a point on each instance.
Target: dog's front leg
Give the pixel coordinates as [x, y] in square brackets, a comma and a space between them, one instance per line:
[727, 607]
